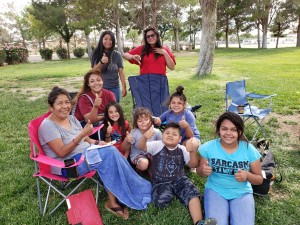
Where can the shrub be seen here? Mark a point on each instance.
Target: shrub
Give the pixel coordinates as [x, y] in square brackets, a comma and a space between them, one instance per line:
[126, 49]
[79, 52]
[2, 57]
[16, 55]
[46, 53]
[62, 53]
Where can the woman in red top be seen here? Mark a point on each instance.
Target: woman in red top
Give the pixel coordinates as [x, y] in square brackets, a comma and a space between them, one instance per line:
[92, 98]
[152, 56]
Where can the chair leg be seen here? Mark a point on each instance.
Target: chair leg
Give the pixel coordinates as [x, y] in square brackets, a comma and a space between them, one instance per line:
[39, 194]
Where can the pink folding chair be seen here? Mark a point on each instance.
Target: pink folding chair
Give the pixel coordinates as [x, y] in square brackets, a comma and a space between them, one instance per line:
[42, 165]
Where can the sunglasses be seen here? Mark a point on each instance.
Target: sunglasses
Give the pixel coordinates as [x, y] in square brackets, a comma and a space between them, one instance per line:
[150, 36]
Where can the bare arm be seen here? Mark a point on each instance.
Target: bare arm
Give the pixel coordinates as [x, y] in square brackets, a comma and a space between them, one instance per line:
[194, 161]
[63, 150]
[254, 176]
[204, 169]
[123, 82]
[169, 61]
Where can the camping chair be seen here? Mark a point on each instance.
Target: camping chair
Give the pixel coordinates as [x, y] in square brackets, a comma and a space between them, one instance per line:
[42, 165]
[236, 99]
[150, 91]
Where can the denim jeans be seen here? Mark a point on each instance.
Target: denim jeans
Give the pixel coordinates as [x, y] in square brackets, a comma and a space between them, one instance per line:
[116, 92]
[240, 210]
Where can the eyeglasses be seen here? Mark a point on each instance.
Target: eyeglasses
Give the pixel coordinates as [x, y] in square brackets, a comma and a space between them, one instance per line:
[150, 36]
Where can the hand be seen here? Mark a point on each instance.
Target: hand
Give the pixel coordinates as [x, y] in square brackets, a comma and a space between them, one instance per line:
[157, 121]
[192, 144]
[206, 169]
[104, 59]
[183, 124]
[149, 133]
[88, 128]
[137, 58]
[98, 101]
[129, 138]
[124, 92]
[109, 129]
[241, 175]
[160, 51]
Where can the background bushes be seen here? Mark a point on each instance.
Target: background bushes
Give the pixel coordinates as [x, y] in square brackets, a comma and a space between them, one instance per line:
[62, 53]
[79, 52]
[16, 55]
[2, 57]
[46, 53]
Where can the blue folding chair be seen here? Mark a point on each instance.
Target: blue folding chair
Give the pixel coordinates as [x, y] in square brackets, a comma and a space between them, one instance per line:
[150, 91]
[236, 99]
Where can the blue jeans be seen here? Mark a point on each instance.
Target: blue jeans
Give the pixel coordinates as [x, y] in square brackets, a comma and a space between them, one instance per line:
[116, 92]
[240, 210]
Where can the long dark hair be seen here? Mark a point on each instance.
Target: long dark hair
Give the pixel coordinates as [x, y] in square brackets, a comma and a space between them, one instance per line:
[121, 121]
[236, 120]
[147, 47]
[99, 50]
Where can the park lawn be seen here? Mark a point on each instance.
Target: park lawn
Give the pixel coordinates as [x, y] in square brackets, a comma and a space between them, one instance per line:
[23, 90]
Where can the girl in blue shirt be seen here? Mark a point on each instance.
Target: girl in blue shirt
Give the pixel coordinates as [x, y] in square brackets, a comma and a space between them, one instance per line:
[186, 119]
[231, 166]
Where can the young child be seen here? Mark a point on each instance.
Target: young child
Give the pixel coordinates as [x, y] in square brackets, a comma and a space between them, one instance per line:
[231, 165]
[142, 121]
[115, 126]
[185, 118]
[168, 175]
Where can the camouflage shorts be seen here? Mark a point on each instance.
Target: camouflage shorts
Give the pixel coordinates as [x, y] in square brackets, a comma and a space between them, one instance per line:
[182, 188]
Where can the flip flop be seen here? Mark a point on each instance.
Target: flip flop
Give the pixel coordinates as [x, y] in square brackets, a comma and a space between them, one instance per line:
[115, 210]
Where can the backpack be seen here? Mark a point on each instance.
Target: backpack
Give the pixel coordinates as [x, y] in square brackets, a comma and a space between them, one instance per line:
[268, 165]
[75, 105]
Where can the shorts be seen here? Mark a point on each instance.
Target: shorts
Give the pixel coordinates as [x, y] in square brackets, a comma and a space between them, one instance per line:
[182, 188]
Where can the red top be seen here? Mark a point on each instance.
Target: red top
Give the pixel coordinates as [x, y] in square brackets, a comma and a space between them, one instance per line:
[149, 64]
[85, 106]
[117, 135]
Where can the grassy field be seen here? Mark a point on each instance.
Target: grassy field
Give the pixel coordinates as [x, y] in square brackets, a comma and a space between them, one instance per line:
[23, 89]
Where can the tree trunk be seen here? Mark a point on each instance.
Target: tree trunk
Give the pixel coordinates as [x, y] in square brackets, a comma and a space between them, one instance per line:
[154, 13]
[226, 31]
[208, 36]
[118, 36]
[265, 33]
[298, 33]
[277, 40]
[144, 14]
[68, 50]
[88, 44]
[258, 35]
[176, 39]
[238, 38]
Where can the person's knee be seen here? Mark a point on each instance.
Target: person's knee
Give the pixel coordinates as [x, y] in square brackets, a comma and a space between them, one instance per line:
[143, 164]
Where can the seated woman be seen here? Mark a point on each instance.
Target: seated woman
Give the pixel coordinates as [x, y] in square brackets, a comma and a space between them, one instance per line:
[92, 99]
[62, 137]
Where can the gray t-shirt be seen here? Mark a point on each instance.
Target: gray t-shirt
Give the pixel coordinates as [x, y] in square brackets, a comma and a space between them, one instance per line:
[110, 72]
[49, 131]
[136, 134]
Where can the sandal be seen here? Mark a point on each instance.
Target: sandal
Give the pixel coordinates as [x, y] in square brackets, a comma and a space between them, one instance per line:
[115, 210]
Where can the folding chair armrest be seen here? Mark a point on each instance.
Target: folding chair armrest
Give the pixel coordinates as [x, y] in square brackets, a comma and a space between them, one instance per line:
[53, 162]
[97, 128]
[259, 96]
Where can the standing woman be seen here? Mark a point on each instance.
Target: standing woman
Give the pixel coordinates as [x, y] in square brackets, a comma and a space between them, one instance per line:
[152, 56]
[110, 61]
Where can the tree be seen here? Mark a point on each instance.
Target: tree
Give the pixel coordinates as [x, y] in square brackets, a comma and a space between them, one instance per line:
[53, 15]
[132, 34]
[208, 37]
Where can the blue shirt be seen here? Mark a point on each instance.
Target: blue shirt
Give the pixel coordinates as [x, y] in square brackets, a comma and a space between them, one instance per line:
[169, 116]
[225, 165]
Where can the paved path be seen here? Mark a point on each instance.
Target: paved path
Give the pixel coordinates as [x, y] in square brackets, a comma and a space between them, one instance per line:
[37, 58]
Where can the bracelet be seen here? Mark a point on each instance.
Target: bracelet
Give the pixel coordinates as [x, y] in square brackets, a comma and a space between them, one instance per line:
[75, 142]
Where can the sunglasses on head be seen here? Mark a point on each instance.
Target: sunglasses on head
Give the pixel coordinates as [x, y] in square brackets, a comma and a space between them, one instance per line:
[150, 36]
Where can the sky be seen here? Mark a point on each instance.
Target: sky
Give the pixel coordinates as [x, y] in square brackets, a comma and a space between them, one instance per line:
[19, 4]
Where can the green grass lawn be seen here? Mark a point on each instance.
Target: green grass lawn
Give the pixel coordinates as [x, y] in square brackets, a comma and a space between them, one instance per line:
[23, 91]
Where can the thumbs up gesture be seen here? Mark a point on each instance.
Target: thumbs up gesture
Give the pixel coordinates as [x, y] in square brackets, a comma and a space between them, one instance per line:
[109, 129]
[104, 59]
[241, 175]
[206, 169]
[88, 129]
[149, 133]
[182, 123]
[98, 101]
[129, 138]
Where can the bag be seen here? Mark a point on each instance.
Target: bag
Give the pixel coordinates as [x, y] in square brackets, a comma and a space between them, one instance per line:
[268, 165]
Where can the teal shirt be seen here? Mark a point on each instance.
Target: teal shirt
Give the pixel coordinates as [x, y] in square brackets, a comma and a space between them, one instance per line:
[225, 165]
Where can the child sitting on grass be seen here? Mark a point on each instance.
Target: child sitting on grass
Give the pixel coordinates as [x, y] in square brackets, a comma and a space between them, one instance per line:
[168, 175]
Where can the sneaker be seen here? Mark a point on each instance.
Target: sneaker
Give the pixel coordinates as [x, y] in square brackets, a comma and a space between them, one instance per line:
[193, 170]
[209, 221]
